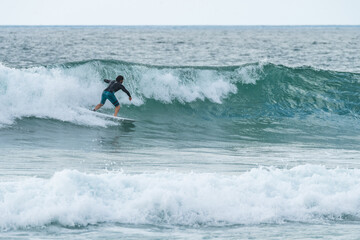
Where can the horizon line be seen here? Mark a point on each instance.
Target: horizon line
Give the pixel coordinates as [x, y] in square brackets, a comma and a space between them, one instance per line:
[192, 25]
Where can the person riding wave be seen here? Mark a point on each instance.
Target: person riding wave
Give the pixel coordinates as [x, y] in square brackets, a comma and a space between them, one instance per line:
[109, 93]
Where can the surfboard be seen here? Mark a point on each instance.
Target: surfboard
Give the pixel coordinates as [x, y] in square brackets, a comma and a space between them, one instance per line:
[107, 116]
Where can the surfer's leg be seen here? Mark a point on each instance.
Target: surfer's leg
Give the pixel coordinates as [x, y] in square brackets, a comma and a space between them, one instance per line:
[98, 106]
[102, 102]
[117, 108]
[115, 102]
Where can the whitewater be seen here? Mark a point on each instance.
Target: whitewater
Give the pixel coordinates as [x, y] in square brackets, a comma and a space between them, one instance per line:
[240, 132]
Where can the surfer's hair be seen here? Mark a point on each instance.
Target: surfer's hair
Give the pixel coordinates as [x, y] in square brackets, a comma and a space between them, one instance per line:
[119, 78]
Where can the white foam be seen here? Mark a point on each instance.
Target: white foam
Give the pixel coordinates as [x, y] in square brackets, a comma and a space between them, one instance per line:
[305, 193]
[250, 74]
[49, 93]
[167, 85]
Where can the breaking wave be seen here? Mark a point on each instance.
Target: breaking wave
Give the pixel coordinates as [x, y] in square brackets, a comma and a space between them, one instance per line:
[250, 91]
[307, 193]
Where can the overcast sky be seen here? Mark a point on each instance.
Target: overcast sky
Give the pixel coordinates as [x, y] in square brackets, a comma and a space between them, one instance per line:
[179, 12]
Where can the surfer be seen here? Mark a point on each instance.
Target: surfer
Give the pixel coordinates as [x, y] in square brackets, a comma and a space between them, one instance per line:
[108, 93]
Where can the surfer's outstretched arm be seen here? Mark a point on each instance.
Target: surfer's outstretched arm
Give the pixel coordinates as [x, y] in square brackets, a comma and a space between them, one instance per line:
[126, 91]
[107, 80]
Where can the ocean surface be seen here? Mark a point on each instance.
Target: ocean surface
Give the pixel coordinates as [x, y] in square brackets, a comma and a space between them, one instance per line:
[240, 133]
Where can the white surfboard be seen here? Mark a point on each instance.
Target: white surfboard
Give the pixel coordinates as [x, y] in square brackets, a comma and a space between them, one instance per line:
[111, 117]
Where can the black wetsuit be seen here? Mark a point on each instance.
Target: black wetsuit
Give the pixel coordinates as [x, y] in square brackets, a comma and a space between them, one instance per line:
[115, 86]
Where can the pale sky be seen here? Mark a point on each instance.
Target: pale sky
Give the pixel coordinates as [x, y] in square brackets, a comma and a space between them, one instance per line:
[179, 12]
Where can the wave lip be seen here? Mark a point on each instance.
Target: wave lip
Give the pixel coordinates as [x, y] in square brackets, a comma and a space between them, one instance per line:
[305, 193]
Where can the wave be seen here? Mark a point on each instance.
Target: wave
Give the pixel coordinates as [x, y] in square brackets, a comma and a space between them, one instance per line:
[306, 193]
[247, 91]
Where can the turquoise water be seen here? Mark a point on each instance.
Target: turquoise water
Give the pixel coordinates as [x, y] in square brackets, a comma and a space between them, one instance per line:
[241, 132]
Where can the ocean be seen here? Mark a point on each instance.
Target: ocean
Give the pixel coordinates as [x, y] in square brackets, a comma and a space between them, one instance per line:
[240, 133]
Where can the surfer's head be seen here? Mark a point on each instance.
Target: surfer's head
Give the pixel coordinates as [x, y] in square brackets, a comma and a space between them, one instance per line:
[120, 78]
